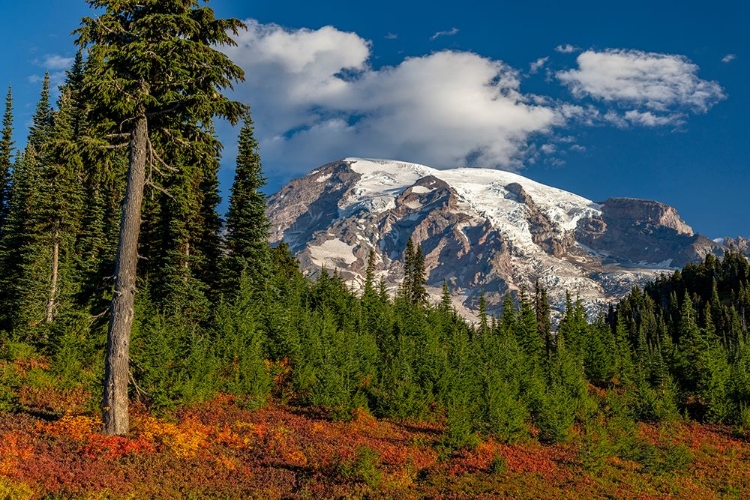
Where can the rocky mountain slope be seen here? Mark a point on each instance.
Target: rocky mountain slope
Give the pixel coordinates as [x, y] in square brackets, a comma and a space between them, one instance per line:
[480, 230]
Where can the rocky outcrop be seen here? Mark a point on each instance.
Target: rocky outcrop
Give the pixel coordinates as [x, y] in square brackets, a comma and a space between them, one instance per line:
[544, 233]
[309, 204]
[739, 244]
[643, 231]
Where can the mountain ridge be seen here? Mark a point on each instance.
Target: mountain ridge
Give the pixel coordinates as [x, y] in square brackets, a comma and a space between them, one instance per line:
[482, 231]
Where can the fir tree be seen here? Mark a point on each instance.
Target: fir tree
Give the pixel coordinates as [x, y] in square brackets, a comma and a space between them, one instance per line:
[23, 260]
[508, 321]
[247, 223]
[413, 288]
[407, 283]
[543, 321]
[419, 279]
[152, 69]
[60, 205]
[369, 292]
[6, 159]
[483, 326]
[446, 303]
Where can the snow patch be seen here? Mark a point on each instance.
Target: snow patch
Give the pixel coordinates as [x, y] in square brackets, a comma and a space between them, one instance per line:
[421, 190]
[331, 253]
[323, 178]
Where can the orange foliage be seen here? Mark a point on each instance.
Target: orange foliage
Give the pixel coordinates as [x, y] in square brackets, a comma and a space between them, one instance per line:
[13, 451]
[77, 428]
[222, 450]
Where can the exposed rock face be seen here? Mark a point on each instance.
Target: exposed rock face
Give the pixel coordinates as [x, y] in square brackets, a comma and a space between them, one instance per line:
[544, 233]
[480, 230]
[739, 244]
[643, 231]
[310, 204]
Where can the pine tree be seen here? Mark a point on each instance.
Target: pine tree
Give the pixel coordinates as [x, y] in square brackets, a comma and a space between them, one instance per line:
[543, 321]
[6, 159]
[527, 330]
[180, 234]
[370, 295]
[152, 69]
[483, 326]
[508, 321]
[413, 288]
[23, 260]
[247, 223]
[61, 203]
[419, 279]
[446, 303]
[407, 284]
[690, 348]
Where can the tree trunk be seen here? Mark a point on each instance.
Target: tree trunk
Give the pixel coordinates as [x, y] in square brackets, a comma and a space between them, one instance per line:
[55, 268]
[117, 366]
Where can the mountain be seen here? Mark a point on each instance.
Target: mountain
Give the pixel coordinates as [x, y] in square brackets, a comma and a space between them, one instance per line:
[481, 230]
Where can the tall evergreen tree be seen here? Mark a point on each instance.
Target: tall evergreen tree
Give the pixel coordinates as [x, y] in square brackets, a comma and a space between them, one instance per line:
[446, 303]
[413, 288]
[61, 200]
[23, 261]
[152, 70]
[247, 223]
[6, 158]
[407, 283]
[543, 321]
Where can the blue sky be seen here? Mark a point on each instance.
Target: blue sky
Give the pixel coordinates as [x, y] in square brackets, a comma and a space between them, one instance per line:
[640, 99]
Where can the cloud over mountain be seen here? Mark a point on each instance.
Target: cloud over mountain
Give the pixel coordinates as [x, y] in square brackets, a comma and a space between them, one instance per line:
[316, 97]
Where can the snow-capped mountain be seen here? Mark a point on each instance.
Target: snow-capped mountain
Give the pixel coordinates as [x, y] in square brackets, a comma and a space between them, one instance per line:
[481, 230]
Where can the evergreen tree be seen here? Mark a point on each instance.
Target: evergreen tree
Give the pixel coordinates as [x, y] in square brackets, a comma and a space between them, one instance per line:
[446, 303]
[23, 260]
[543, 321]
[6, 159]
[152, 69]
[419, 279]
[508, 320]
[60, 206]
[247, 223]
[180, 238]
[407, 284]
[527, 331]
[413, 288]
[483, 326]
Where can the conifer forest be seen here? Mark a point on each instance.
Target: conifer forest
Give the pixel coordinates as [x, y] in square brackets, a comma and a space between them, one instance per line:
[151, 347]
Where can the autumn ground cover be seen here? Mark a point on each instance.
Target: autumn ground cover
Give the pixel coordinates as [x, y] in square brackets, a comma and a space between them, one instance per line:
[221, 450]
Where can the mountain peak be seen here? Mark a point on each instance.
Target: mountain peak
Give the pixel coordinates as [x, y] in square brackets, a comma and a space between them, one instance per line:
[481, 230]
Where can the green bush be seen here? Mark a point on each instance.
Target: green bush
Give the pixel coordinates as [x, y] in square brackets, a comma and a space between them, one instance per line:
[363, 467]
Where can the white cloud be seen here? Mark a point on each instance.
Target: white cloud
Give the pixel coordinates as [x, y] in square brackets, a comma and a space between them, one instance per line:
[649, 119]
[578, 148]
[728, 58]
[55, 62]
[538, 64]
[391, 36]
[566, 49]
[450, 32]
[55, 65]
[631, 77]
[315, 98]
